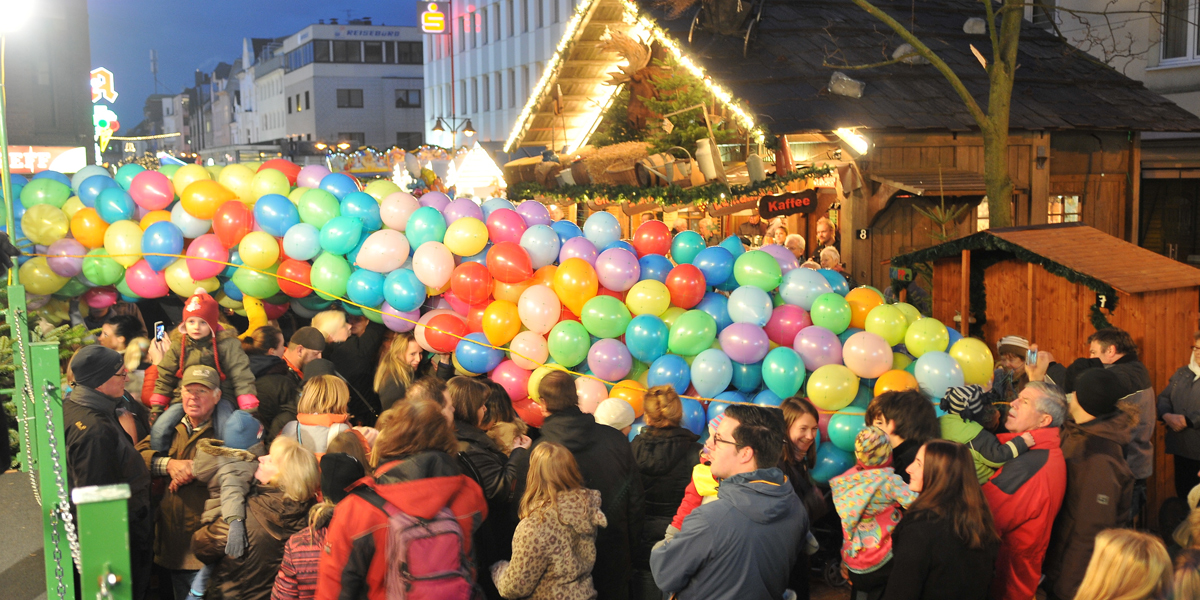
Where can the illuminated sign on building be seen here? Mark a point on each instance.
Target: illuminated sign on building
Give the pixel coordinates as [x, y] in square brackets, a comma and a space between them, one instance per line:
[103, 86]
[434, 17]
[27, 160]
[104, 120]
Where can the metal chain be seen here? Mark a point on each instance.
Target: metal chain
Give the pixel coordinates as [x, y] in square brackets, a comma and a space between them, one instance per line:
[28, 404]
[58, 570]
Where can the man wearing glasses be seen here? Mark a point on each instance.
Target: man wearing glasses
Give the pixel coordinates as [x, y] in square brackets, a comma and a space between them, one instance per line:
[100, 451]
[744, 544]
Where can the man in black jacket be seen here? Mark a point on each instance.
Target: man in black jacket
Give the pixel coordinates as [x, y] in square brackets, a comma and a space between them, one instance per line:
[100, 452]
[279, 380]
[356, 359]
[606, 463]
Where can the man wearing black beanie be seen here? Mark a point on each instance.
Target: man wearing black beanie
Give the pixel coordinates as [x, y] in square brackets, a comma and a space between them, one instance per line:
[1099, 483]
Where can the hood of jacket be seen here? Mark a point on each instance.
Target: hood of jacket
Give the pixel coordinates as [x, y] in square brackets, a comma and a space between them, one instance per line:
[279, 515]
[571, 427]
[764, 496]
[218, 448]
[473, 435]
[579, 509]
[860, 482]
[657, 450]
[424, 498]
[265, 364]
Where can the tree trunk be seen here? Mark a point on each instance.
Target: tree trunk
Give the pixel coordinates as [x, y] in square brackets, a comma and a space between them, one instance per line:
[996, 180]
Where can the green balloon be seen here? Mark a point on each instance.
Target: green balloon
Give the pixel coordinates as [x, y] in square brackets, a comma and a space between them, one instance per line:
[255, 284]
[126, 174]
[45, 191]
[373, 315]
[72, 289]
[692, 333]
[831, 311]
[636, 371]
[317, 207]
[168, 170]
[759, 269]
[100, 269]
[314, 302]
[124, 287]
[569, 343]
[605, 316]
[425, 225]
[668, 317]
[330, 274]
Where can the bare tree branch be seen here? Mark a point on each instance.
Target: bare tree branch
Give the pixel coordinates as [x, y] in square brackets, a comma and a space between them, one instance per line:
[850, 67]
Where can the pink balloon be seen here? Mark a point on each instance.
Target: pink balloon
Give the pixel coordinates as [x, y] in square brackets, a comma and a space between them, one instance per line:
[396, 208]
[539, 309]
[609, 360]
[818, 347]
[152, 190]
[437, 200]
[207, 246]
[579, 247]
[529, 350]
[867, 355]
[534, 213]
[457, 304]
[419, 333]
[591, 393]
[310, 176]
[744, 342]
[786, 321]
[505, 225]
[823, 423]
[513, 379]
[617, 269]
[100, 297]
[433, 263]
[383, 251]
[392, 321]
[59, 257]
[787, 261]
[144, 281]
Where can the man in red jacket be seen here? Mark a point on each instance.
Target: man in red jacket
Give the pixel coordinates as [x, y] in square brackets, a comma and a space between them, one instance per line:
[1026, 493]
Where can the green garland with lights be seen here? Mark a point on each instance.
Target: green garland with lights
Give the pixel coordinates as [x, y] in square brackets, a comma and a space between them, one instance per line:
[663, 195]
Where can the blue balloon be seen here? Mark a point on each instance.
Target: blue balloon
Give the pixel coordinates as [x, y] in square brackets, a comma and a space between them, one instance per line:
[162, 237]
[671, 370]
[783, 372]
[836, 281]
[55, 175]
[734, 245]
[749, 304]
[654, 266]
[542, 244]
[492, 204]
[475, 355]
[747, 377]
[302, 241]
[602, 229]
[863, 398]
[125, 174]
[352, 255]
[937, 372]
[91, 187]
[365, 207]
[565, 230]
[365, 287]
[636, 428]
[686, 246]
[845, 335]
[646, 337]
[716, 263]
[730, 397]
[275, 214]
[693, 416]
[341, 234]
[622, 244]
[712, 371]
[351, 309]
[231, 289]
[802, 286]
[729, 285]
[831, 462]
[954, 334]
[403, 291]
[768, 398]
[717, 306]
[235, 261]
[115, 204]
[424, 225]
[338, 184]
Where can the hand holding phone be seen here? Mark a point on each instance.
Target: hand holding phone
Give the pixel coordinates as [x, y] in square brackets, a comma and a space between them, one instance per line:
[160, 330]
[1031, 357]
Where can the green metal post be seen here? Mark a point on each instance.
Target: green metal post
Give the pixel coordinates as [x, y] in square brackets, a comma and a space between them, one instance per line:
[52, 460]
[104, 541]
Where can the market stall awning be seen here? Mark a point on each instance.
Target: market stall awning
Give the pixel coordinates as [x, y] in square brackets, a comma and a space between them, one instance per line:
[950, 182]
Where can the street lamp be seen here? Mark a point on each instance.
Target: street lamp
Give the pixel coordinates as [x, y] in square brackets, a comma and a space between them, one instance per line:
[459, 125]
[13, 16]
[343, 146]
[320, 145]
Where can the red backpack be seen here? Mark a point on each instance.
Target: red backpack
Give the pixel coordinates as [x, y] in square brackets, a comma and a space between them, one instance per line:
[426, 558]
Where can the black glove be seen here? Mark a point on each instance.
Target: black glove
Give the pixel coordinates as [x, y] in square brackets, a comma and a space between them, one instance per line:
[7, 253]
[235, 542]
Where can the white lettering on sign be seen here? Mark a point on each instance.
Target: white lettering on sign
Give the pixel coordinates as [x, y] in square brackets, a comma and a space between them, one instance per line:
[29, 161]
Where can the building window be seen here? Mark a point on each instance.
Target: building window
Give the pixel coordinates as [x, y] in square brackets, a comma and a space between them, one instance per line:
[483, 22]
[289, 105]
[1042, 13]
[462, 34]
[554, 10]
[474, 31]
[983, 219]
[499, 93]
[511, 16]
[538, 12]
[407, 53]
[474, 94]
[350, 98]
[355, 138]
[462, 95]
[524, 80]
[487, 93]
[408, 98]
[299, 57]
[1179, 39]
[525, 16]
[512, 88]
[1064, 209]
[373, 52]
[306, 104]
[409, 139]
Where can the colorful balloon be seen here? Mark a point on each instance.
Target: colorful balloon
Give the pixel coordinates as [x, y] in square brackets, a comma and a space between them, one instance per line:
[749, 304]
[976, 360]
[693, 332]
[529, 350]
[605, 317]
[802, 287]
[686, 284]
[609, 360]
[671, 370]
[715, 263]
[786, 321]
[686, 246]
[652, 237]
[937, 372]
[539, 309]
[123, 241]
[887, 322]
[926, 335]
[759, 269]
[832, 312]
[569, 343]
[783, 371]
[467, 236]
[818, 347]
[896, 380]
[233, 220]
[867, 355]
[501, 323]
[575, 283]
[832, 387]
[258, 250]
[433, 263]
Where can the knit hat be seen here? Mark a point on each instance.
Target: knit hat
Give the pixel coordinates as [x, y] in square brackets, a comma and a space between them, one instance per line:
[338, 472]
[1097, 391]
[309, 337]
[93, 365]
[615, 413]
[202, 306]
[872, 447]
[964, 401]
[242, 430]
[1013, 344]
[1076, 369]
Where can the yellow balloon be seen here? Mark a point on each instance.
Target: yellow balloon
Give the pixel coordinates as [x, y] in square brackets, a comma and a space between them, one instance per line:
[648, 297]
[269, 181]
[123, 240]
[38, 278]
[237, 178]
[832, 387]
[44, 224]
[180, 280]
[259, 250]
[536, 378]
[501, 323]
[294, 196]
[900, 361]
[976, 360]
[72, 206]
[510, 292]
[252, 165]
[255, 313]
[187, 175]
[214, 170]
[153, 217]
[466, 237]
[228, 302]
[381, 188]
[668, 316]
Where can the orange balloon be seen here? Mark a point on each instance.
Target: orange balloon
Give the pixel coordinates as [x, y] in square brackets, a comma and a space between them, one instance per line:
[88, 228]
[575, 283]
[861, 301]
[631, 392]
[501, 323]
[153, 217]
[544, 276]
[202, 198]
[510, 292]
[896, 380]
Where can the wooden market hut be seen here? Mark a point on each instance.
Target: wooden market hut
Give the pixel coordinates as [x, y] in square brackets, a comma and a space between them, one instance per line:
[1055, 285]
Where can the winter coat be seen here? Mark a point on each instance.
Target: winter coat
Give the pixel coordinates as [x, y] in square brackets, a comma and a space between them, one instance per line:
[988, 453]
[930, 562]
[297, 578]
[741, 546]
[866, 499]
[278, 392]
[554, 550]
[665, 457]
[496, 474]
[1024, 496]
[1139, 452]
[271, 519]
[228, 473]
[314, 432]
[1099, 495]
[356, 359]
[179, 512]
[354, 562]
[234, 364]
[1182, 397]
[607, 465]
[426, 464]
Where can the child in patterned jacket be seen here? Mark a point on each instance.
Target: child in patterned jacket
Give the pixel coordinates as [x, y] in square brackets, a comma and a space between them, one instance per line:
[867, 498]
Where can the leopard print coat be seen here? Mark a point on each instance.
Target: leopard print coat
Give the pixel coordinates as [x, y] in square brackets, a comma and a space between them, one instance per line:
[554, 549]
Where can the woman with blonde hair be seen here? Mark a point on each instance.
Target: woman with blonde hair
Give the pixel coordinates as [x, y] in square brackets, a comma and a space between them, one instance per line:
[1127, 565]
[397, 369]
[554, 547]
[1187, 574]
[321, 414]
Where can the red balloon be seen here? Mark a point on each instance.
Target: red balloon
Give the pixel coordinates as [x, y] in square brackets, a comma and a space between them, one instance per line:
[530, 412]
[509, 262]
[566, 315]
[475, 318]
[786, 321]
[290, 169]
[298, 270]
[686, 284]
[471, 283]
[652, 237]
[438, 330]
[274, 311]
[231, 223]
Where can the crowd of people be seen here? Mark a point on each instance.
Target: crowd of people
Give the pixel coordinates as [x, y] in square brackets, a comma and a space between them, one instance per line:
[342, 461]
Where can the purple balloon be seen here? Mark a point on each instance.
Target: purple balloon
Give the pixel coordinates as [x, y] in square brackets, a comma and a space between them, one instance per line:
[437, 200]
[617, 269]
[461, 208]
[311, 176]
[578, 247]
[609, 360]
[787, 260]
[534, 213]
[58, 259]
[818, 347]
[745, 342]
[399, 325]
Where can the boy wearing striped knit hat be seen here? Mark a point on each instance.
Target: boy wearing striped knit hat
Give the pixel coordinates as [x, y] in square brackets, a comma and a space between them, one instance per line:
[963, 423]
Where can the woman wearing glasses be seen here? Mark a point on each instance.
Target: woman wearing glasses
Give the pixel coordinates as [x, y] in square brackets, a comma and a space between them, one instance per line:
[1179, 408]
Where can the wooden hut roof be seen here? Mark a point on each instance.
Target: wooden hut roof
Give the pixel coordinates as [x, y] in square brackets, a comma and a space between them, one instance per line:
[948, 182]
[1077, 247]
